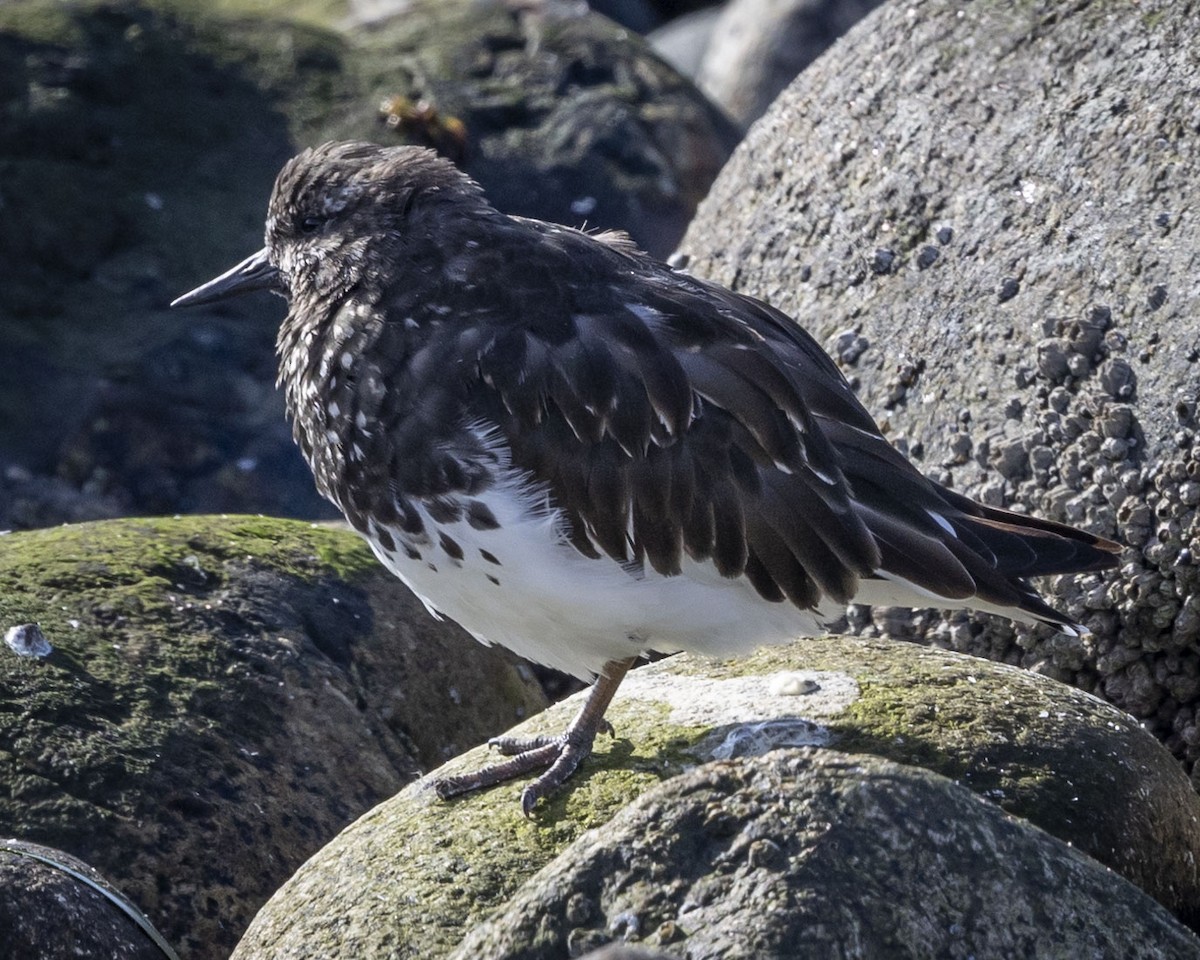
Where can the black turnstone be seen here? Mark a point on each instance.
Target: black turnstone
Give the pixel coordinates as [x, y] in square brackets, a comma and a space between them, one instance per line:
[583, 455]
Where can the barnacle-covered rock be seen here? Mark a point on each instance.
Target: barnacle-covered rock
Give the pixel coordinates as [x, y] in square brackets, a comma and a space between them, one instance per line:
[1012, 141]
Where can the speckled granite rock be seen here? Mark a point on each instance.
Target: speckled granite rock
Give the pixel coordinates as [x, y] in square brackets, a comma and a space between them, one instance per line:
[219, 698]
[415, 875]
[807, 855]
[981, 210]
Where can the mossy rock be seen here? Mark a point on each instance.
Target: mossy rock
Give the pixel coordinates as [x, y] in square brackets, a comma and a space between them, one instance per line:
[813, 854]
[1067, 762]
[222, 695]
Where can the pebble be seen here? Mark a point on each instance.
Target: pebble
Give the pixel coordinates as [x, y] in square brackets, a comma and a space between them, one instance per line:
[1008, 289]
[1118, 379]
[27, 640]
[1059, 399]
[1117, 421]
[960, 448]
[1011, 461]
[1041, 458]
[849, 346]
[1114, 448]
[1079, 365]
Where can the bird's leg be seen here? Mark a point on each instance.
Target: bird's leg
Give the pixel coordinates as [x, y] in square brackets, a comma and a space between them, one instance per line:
[562, 754]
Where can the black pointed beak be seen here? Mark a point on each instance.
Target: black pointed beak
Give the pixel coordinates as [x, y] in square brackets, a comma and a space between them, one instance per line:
[256, 272]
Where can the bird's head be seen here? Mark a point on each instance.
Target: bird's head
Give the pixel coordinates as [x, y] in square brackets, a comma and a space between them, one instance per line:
[334, 209]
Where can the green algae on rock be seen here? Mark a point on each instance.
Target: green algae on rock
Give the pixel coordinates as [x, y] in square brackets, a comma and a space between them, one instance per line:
[1069, 763]
[223, 695]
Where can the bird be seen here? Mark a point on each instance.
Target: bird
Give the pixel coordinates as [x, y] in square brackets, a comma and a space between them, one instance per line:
[585, 455]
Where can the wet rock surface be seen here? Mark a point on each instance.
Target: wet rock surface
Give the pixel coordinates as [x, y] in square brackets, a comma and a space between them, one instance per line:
[221, 696]
[417, 875]
[1028, 336]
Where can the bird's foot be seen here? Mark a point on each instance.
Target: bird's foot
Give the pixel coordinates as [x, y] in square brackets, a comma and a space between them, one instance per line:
[561, 755]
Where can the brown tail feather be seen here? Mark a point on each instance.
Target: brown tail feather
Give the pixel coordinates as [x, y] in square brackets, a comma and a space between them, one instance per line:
[1027, 546]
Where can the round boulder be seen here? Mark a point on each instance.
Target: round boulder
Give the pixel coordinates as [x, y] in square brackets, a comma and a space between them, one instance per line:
[54, 905]
[194, 706]
[417, 874]
[805, 855]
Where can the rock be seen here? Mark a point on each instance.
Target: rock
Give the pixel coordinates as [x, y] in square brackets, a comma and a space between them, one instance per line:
[1070, 764]
[816, 854]
[54, 905]
[921, 129]
[29, 500]
[564, 117]
[223, 696]
[682, 41]
[757, 47]
[115, 198]
[622, 951]
[138, 145]
[638, 15]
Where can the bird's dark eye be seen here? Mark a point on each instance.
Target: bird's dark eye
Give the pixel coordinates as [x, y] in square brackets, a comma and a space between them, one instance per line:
[311, 224]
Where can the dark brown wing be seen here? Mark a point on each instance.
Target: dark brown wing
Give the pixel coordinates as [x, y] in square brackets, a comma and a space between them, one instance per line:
[670, 418]
[663, 426]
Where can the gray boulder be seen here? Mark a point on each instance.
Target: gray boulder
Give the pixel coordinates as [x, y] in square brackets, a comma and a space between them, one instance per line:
[417, 875]
[808, 855]
[980, 211]
[557, 112]
[757, 47]
[54, 905]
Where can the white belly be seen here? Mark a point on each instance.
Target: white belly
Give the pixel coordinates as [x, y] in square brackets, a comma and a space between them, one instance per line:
[547, 602]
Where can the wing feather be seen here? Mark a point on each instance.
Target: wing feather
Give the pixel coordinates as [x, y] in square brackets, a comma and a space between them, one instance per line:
[671, 418]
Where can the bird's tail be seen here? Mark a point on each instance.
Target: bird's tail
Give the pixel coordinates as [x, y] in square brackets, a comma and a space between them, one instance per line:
[1015, 546]
[979, 557]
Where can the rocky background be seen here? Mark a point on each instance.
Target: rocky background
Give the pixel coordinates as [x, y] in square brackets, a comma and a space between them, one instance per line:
[984, 212]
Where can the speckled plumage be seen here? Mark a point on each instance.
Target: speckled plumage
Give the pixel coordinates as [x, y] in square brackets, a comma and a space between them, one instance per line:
[582, 454]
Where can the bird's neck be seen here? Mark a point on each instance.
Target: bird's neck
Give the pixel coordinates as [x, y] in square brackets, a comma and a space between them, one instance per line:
[312, 340]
